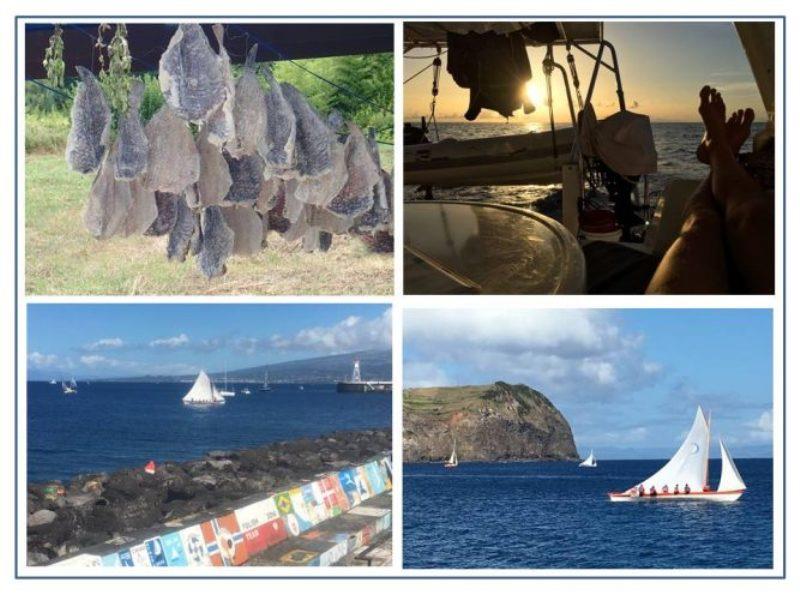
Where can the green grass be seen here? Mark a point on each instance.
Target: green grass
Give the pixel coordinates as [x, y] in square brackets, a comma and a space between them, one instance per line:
[62, 258]
[443, 403]
[46, 132]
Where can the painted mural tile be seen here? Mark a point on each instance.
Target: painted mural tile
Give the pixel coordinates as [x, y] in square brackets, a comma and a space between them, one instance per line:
[301, 512]
[283, 502]
[299, 558]
[174, 553]
[333, 555]
[194, 547]
[255, 514]
[364, 490]
[140, 556]
[81, 560]
[111, 560]
[350, 487]
[155, 552]
[212, 548]
[376, 482]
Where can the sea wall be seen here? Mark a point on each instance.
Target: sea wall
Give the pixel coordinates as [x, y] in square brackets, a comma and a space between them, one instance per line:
[248, 528]
[131, 506]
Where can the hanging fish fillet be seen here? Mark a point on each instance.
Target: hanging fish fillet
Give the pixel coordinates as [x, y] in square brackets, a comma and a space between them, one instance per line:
[277, 147]
[313, 139]
[91, 125]
[191, 75]
[216, 244]
[356, 197]
[269, 195]
[215, 176]
[172, 159]
[142, 212]
[319, 191]
[249, 109]
[109, 202]
[167, 208]
[180, 237]
[131, 145]
[247, 229]
[247, 175]
[220, 125]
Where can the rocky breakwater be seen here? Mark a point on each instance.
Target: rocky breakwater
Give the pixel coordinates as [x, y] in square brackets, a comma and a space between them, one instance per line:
[498, 422]
[65, 517]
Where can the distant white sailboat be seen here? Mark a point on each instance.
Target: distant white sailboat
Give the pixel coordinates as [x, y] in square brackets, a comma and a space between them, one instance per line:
[685, 476]
[53, 382]
[203, 392]
[452, 462]
[590, 461]
[71, 387]
[266, 387]
[225, 392]
[246, 391]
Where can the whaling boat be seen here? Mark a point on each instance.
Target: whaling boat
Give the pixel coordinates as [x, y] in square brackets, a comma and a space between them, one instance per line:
[685, 476]
[590, 462]
[203, 392]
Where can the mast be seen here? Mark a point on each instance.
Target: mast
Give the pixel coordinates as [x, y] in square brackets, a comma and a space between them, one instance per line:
[356, 371]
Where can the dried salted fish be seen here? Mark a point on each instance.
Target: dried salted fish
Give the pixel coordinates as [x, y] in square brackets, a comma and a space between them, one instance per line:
[247, 229]
[130, 157]
[269, 194]
[180, 237]
[167, 207]
[319, 191]
[215, 176]
[247, 175]
[249, 109]
[313, 141]
[109, 202]
[91, 124]
[277, 222]
[217, 242]
[173, 162]
[277, 147]
[356, 197]
[197, 237]
[142, 212]
[191, 74]
[220, 125]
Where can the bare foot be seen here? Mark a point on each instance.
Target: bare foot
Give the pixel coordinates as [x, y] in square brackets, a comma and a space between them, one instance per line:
[737, 129]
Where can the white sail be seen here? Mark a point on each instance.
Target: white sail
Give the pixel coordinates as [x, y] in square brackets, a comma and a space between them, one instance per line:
[689, 465]
[590, 461]
[729, 479]
[203, 392]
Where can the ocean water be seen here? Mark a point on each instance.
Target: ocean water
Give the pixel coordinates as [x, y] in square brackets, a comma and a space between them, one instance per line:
[553, 515]
[676, 144]
[108, 426]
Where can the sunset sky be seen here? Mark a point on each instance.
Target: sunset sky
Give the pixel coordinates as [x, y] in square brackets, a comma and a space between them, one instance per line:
[663, 67]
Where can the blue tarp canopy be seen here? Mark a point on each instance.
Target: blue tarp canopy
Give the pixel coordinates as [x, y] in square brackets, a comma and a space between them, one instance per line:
[147, 41]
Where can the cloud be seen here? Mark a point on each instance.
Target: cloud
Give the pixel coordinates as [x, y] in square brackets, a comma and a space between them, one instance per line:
[95, 361]
[584, 353]
[178, 341]
[351, 334]
[105, 343]
[37, 359]
[416, 375]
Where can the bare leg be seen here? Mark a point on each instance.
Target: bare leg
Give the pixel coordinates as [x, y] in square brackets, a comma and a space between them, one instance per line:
[748, 213]
[695, 262]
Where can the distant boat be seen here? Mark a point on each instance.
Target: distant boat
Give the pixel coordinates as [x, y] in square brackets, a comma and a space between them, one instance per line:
[685, 476]
[69, 388]
[452, 462]
[53, 382]
[266, 387]
[590, 461]
[203, 392]
[245, 391]
[301, 388]
[225, 391]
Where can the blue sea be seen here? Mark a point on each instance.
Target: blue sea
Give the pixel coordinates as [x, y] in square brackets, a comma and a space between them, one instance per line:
[676, 144]
[553, 515]
[108, 426]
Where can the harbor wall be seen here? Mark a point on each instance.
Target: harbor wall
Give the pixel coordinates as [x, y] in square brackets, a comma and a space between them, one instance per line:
[243, 529]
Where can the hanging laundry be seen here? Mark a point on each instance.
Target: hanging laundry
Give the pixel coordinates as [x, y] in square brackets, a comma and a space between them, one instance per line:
[493, 67]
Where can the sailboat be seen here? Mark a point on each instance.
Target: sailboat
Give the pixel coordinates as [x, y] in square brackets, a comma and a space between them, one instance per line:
[266, 387]
[69, 388]
[246, 391]
[590, 461]
[203, 392]
[225, 391]
[685, 476]
[452, 462]
[53, 382]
